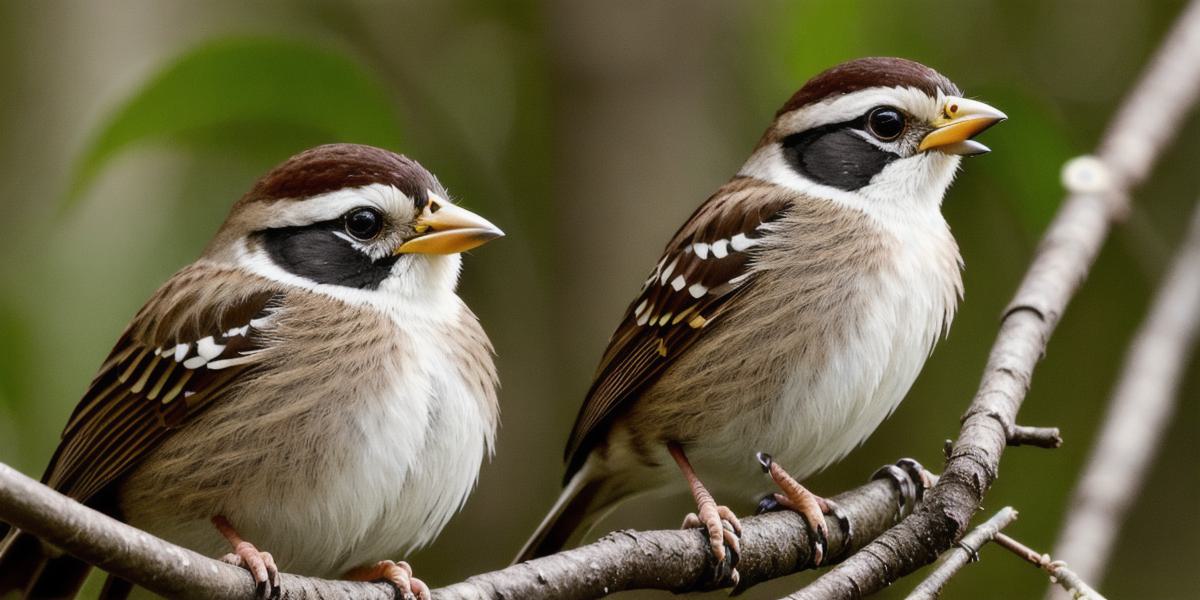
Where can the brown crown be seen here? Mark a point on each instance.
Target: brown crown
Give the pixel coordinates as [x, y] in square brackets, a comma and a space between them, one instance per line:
[337, 166]
[864, 73]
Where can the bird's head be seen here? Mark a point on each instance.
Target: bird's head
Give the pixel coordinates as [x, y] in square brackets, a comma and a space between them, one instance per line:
[351, 216]
[873, 130]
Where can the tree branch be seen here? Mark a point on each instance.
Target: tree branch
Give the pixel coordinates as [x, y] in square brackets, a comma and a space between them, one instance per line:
[1071, 582]
[137, 556]
[775, 545]
[1143, 401]
[966, 552]
[1099, 193]
[1042, 437]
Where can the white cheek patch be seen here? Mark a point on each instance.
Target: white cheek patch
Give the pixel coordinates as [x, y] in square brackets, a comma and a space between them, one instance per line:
[907, 188]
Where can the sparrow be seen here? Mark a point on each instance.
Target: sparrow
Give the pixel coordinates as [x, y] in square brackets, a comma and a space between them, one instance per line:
[789, 315]
[311, 386]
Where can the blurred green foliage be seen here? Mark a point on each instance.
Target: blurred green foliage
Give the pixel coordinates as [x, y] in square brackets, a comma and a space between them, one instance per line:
[217, 93]
[588, 131]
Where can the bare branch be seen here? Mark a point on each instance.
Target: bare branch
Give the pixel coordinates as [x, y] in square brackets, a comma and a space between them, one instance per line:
[1143, 401]
[776, 544]
[1100, 187]
[155, 564]
[967, 551]
[1057, 569]
[1042, 437]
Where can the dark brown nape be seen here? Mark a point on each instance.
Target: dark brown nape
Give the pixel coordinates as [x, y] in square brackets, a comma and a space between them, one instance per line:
[338, 166]
[863, 73]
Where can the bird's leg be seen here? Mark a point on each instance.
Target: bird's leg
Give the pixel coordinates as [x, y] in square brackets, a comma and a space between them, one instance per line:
[722, 525]
[399, 574]
[260, 564]
[810, 506]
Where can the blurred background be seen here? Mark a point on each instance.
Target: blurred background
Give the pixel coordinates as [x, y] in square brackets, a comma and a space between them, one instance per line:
[588, 131]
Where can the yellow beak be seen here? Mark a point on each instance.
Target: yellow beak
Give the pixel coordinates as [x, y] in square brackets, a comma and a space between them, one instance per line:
[444, 228]
[962, 119]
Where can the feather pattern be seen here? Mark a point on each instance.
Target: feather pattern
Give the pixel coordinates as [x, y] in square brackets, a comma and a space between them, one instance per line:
[182, 351]
[704, 265]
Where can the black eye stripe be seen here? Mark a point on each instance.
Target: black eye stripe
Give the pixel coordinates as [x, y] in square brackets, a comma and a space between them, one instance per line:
[836, 155]
[315, 252]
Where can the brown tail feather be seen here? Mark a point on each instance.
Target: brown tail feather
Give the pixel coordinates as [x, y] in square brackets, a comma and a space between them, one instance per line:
[22, 557]
[61, 578]
[27, 569]
[584, 500]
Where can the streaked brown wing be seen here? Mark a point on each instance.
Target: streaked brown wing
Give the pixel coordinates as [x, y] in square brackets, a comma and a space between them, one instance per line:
[705, 265]
[195, 337]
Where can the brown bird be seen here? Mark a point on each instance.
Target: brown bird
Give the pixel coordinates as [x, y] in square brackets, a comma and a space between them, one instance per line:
[790, 314]
[311, 384]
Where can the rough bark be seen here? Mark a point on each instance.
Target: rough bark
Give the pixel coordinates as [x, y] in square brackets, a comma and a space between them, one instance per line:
[774, 545]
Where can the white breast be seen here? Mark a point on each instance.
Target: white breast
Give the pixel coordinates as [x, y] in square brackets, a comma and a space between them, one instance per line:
[420, 440]
[430, 436]
[350, 469]
[827, 413]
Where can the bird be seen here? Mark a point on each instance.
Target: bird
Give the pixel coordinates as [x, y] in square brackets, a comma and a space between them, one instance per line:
[310, 395]
[789, 315]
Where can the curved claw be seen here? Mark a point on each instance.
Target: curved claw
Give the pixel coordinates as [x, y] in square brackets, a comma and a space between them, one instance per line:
[835, 510]
[767, 504]
[729, 517]
[261, 566]
[722, 528]
[919, 475]
[398, 574]
[910, 479]
[764, 460]
[904, 485]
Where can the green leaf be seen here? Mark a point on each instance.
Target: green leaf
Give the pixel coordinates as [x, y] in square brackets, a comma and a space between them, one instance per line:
[222, 93]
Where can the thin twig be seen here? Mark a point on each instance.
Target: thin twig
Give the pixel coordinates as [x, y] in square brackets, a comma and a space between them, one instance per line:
[1145, 397]
[967, 550]
[1148, 118]
[1042, 437]
[1069, 580]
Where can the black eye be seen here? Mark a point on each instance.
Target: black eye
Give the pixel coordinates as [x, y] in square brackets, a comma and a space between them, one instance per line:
[885, 123]
[363, 223]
